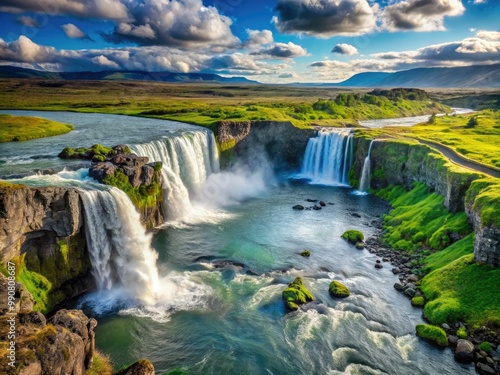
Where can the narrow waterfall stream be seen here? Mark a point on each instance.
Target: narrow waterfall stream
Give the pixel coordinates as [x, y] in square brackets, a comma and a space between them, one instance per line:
[364, 183]
[328, 157]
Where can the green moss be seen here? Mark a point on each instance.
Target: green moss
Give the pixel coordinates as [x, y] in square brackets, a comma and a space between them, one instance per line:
[142, 196]
[96, 153]
[462, 291]
[420, 218]
[23, 128]
[484, 196]
[338, 289]
[36, 284]
[462, 333]
[353, 236]
[486, 346]
[432, 333]
[305, 253]
[296, 294]
[418, 301]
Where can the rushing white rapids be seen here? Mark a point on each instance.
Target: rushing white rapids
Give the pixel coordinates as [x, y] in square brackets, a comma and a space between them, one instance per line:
[328, 157]
[365, 176]
[119, 247]
[188, 159]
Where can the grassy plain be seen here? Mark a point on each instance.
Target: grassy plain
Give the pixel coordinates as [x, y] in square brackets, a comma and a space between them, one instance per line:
[23, 128]
[480, 143]
[205, 104]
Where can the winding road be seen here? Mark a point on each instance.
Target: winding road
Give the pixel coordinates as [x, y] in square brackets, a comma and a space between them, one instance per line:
[459, 159]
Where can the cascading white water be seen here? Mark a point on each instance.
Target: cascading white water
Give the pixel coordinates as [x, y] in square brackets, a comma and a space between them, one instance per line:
[120, 249]
[364, 184]
[328, 157]
[188, 159]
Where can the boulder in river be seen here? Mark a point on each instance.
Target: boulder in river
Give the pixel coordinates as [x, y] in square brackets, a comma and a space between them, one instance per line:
[141, 367]
[296, 294]
[298, 207]
[305, 253]
[434, 334]
[464, 352]
[337, 289]
[322, 204]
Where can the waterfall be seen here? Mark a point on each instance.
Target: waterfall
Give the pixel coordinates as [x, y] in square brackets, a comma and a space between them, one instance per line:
[188, 159]
[120, 249]
[328, 157]
[365, 176]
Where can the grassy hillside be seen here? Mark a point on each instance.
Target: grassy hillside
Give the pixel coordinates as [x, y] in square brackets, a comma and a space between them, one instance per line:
[23, 128]
[456, 288]
[206, 104]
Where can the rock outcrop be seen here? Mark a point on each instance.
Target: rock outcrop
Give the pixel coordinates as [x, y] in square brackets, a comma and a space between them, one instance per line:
[282, 143]
[141, 180]
[42, 230]
[63, 345]
[141, 367]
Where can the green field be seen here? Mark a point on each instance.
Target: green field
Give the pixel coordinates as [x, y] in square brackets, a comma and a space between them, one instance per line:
[206, 104]
[23, 128]
[480, 142]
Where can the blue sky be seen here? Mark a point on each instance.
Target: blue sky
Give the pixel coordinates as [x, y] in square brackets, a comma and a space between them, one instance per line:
[268, 41]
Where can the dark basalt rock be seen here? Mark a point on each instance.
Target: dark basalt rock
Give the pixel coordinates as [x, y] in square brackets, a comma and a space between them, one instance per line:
[129, 160]
[298, 207]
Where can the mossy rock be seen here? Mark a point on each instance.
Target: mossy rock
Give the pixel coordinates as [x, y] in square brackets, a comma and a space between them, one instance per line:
[462, 333]
[338, 289]
[486, 346]
[353, 236]
[432, 333]
[418, 301]
[305, 253]
[360, 245]
[296, 294]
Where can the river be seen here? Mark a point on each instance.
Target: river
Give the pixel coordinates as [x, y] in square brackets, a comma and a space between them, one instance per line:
[218, 307]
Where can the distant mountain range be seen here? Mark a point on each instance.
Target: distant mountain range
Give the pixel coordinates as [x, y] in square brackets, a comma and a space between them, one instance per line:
[7, 71]
[466, 76]
[478, 76]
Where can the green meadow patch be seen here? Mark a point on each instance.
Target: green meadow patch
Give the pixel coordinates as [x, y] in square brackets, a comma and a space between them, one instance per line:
[23, 128]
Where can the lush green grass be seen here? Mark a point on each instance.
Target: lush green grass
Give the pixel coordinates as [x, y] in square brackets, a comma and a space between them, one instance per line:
[420, 219]
[486, 346]
[337, 289]
[457, 250]
[101, 365]
[432, 333]
[206, 104]
[353, 236]
[463, 290]
[480, 143]
[484, 196]
[23, 128]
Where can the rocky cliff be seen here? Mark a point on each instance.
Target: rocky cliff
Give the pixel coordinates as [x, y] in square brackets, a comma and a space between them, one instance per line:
[63, 344]
[403, 162]
[281, 142]
[42, 231]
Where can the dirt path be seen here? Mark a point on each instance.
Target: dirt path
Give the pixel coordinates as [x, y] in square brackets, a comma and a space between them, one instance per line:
[460, 160]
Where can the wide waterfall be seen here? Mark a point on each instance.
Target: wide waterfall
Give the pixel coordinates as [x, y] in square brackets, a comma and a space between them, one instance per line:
[120, 249]
[188, 159]
[328, 157]
[365, 175]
